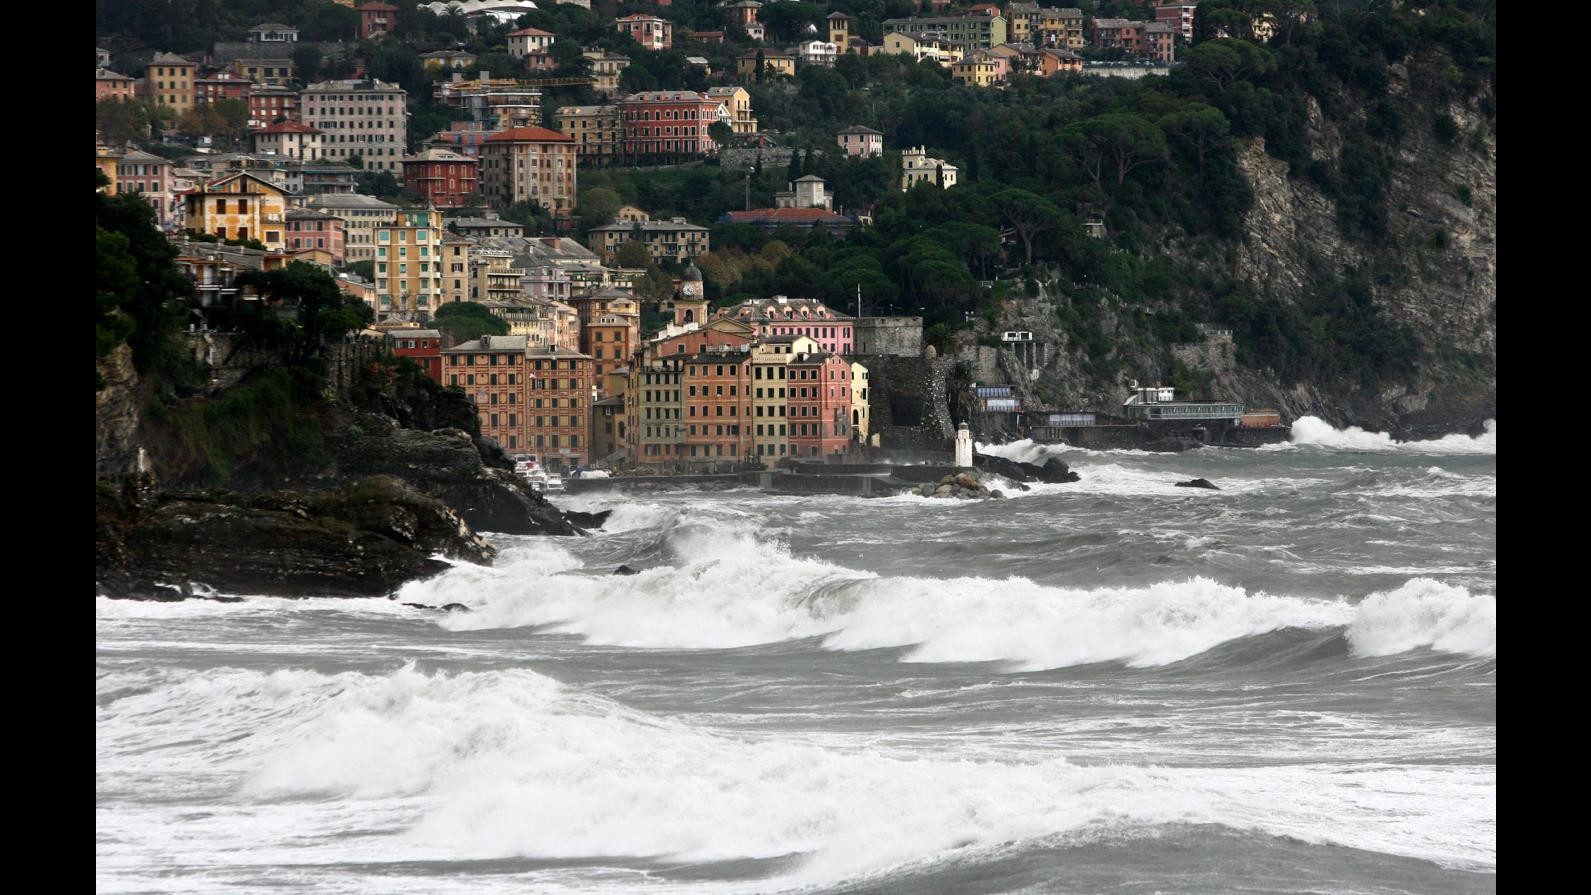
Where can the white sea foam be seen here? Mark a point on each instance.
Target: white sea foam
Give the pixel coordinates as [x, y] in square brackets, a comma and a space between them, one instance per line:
[510, 763]
[1311, 430]
[733, 590]
[1426, 613]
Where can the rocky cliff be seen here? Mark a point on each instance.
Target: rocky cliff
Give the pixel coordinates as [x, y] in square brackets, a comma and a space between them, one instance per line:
[1426, 277]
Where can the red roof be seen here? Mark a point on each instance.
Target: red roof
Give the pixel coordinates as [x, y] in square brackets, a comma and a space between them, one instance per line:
[788, 216]
[288, 127]
[530, 32]
[528, 135]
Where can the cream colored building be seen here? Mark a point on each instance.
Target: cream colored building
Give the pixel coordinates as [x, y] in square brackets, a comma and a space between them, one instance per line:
[861, 404]
[920, 48]
[597, 132]
[605, 67]
[770, 394]
[240, 206]
[919, 167]
[367, 118]
[362, 216]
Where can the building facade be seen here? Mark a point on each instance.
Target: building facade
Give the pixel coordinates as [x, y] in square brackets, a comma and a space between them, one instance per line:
[783, 316]
[239, 206]
[313, 231]
[409, 265]
[651, 32]
[529, 164]
[919, 167]
[674, 240]
[289, 139]
[367, 118]
[169, 82]
[362, 216]
[444, 178]
[670, 124]
[597, 132]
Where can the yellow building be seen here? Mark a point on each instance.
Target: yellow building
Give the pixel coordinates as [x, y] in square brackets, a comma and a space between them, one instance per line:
[737, 102]
[774, 64]
[605, 67]
[239, 206]
[409, 264]
[169, 80]
[861, 405]
[106, 160]
[769, 407]
[975, 72]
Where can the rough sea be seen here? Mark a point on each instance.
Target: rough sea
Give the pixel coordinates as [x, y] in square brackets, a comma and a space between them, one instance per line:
[1115, 685]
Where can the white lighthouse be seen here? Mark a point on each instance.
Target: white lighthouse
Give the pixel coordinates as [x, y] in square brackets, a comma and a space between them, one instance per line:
[964, 446]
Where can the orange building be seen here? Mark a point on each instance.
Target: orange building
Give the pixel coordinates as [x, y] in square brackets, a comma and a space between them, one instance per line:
[718, 417]
[492, 372]
[559, 416]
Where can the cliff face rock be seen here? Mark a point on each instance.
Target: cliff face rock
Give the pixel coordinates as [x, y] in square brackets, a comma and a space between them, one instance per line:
[116, 415]
[1445, 252]
[1434, 270]
[363, 540]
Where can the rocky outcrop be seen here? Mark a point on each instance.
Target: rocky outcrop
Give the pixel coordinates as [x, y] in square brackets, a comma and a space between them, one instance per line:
[448, 465]
[363, 540]
[961, 486]
[1198, 483]
[1051, 471]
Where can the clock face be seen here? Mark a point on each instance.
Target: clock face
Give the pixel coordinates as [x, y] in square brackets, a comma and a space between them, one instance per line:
[691, 290]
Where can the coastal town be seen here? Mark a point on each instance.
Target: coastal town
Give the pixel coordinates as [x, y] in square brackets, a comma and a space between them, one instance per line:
[591, 339]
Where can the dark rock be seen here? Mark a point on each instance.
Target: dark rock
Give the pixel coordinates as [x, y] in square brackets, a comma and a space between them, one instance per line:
[586, 520]
[455, 607]
[625, 570]
[447, 464]
[1198, 483]
[1051, 471]
[363, 540]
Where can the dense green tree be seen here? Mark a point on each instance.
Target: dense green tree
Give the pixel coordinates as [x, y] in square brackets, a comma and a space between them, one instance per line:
[121, 121]
[598, 206]
[466, 321]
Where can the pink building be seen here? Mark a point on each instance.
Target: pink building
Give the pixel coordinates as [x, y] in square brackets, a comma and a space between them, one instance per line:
[310, 231]
[860, 142]
[110, 85]
[149, 176]
[651, 32]
[1160, 42]
[1122, 33]
[781, 316]
[818, 394]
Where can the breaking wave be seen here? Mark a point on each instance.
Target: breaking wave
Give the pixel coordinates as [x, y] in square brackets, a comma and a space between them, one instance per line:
[511, 763]
[1425, 613]
[1311, 430]
[718, 591]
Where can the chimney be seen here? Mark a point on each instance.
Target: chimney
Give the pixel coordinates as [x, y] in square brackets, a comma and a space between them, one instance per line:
[457, 77]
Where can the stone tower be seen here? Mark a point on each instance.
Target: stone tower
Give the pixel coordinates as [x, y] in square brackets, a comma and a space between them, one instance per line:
[691, 306]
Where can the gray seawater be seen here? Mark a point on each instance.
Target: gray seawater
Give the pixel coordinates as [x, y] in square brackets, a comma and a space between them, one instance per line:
[1288, 685]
